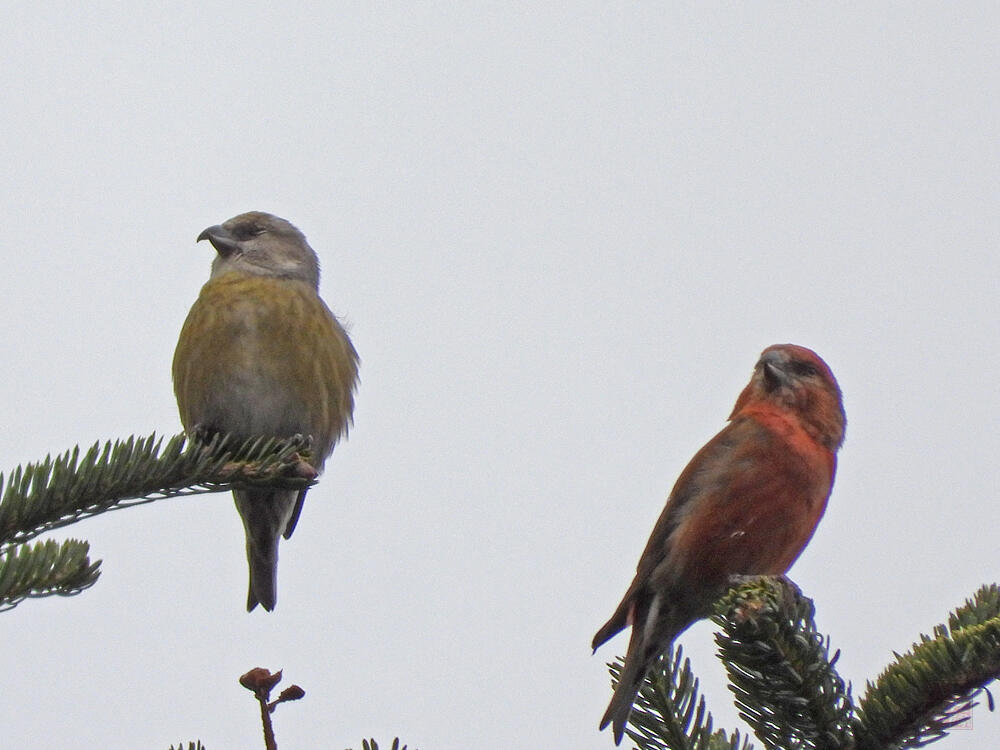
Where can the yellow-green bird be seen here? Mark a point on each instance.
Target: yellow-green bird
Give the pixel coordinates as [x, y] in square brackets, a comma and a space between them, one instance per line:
[260, 354]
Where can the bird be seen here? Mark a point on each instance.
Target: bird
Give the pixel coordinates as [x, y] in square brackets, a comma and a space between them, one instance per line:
[746, 504]
[260, 354]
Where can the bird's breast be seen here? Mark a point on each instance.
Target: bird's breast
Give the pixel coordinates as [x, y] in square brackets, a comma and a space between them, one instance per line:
[264, 356]
[748, 503]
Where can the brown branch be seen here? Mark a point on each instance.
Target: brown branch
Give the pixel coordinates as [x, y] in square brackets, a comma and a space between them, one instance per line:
[261, 682]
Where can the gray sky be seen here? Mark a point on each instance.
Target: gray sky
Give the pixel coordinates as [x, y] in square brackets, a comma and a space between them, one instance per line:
[560, 236]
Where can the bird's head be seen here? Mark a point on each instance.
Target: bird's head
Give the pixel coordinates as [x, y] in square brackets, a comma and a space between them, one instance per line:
[794, 378]
[264, 245]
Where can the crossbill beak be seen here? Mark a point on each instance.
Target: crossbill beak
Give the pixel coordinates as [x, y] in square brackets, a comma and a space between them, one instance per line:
[224, 242]
[772, 367]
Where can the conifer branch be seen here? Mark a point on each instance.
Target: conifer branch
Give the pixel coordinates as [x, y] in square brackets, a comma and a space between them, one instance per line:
[980, 609]
[669, 713]
[925, 691]
[373, 745]
[44, 569]
[59, 491]
[779, 667]
[787, 689]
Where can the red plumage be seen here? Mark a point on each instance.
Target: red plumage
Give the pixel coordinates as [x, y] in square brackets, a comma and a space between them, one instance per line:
[746, 504]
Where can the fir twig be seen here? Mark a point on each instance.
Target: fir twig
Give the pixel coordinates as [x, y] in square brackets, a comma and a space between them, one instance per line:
[926, 691]
[373, 745]
[261, 682]
[779, 667]
[45, 568]
[669, 714]
[58, 491]
[980, 609]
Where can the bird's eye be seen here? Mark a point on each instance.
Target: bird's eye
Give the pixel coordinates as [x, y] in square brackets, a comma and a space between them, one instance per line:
[805, 369]
[247, 231]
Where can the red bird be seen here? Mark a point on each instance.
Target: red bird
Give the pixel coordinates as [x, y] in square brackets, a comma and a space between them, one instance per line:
[746, 504]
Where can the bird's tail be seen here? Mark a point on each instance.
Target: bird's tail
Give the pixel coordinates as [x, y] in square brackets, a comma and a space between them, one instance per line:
[655, 624]
[636, 663]
[266, 515]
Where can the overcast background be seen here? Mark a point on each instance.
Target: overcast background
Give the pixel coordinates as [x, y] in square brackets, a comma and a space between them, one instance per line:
[560, 235]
